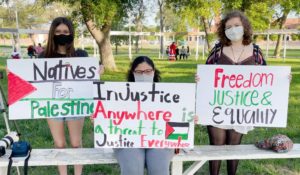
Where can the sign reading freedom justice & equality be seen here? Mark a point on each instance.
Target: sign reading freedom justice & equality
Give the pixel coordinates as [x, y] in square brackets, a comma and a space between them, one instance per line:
[50, 88]
[243, 95]
[144, 115]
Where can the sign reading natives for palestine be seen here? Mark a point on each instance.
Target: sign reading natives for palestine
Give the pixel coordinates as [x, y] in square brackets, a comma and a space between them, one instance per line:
[144, 115]
[51, 88]
[243, 95]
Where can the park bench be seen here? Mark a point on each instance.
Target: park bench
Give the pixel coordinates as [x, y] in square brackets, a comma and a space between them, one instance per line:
[200, 155]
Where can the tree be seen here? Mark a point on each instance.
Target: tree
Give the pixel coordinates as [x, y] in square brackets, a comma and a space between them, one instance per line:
[98, 16]
[286, 6]
[161, 4]
[172, 22]
[139, 15]
[118, 40]
[198, 13]
[30, 15]
[253, 9]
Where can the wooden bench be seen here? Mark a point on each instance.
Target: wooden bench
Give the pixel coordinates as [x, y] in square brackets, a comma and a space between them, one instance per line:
[200, 155]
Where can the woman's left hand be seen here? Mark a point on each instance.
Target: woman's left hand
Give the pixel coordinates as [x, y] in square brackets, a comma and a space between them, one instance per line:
[290, 77]
[196, 119]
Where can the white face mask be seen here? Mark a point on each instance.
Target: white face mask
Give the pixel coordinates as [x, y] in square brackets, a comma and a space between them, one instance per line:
[143, 77]
[235, 33]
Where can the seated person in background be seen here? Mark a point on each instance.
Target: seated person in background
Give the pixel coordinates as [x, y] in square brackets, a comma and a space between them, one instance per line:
[31, 51]
[183, 53]
[15, 54]
[39, 49]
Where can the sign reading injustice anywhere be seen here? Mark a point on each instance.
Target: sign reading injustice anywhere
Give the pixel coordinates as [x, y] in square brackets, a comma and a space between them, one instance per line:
[144, 115]
[243, 95]
[50, 88]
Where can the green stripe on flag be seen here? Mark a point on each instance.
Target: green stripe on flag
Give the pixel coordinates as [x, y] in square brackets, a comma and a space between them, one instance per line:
[176, 136]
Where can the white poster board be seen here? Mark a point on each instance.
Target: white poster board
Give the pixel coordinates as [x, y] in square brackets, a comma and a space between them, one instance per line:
[50, 88]
[243, 95]
[144, 115]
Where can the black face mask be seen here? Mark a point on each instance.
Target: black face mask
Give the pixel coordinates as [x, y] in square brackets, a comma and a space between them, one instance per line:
[63, 39]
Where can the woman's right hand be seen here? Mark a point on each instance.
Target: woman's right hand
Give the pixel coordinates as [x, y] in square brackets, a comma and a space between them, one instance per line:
[197, 78]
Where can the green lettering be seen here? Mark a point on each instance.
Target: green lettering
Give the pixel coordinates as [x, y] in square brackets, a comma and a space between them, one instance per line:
[34, 105]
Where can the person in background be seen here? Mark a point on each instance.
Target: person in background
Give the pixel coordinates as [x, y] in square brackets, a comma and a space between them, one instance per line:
[39, 49]
[177, 53]
[172, 52]
[168, 50]
[15, 54]
[134, 160]
[31, 51]
[183, 53]
[187, 52]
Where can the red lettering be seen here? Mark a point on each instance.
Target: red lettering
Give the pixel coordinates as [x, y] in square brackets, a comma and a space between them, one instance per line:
[167, 116]
[142, 140]
[217, 71]
[238, 78]
[139, 111]
[239, 81]
[100, 109]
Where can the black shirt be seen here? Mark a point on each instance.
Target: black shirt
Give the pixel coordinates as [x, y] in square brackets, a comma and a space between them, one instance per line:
[78, 53]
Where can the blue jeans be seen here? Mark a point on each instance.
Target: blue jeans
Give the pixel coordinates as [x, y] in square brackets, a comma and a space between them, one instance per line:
[133, 161]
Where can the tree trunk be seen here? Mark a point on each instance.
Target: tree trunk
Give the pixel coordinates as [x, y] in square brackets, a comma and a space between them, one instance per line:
[137, 38]
[116, 49]
[15, 38]
[279, 39]
[32, 39]
[102, 38]
[161, 22]
[206, 30]
[106, 54]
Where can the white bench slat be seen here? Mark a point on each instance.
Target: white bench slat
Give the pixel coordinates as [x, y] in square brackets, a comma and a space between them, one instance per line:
[200, 154]
[84, 156]
[231, 152]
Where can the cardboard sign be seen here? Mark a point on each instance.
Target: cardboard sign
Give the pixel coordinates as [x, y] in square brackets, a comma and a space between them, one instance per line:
[144, 115]
[50, 88]
[243, 95]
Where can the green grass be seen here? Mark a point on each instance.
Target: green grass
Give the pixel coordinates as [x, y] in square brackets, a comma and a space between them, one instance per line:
[38, 134]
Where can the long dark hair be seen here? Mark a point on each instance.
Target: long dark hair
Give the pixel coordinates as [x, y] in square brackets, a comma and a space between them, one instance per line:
[247, 38]
[51, 48]
[138, 60]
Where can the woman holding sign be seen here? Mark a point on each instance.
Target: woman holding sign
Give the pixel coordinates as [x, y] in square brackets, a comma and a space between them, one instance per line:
[61, 44]
[134, 160]
[235, 48]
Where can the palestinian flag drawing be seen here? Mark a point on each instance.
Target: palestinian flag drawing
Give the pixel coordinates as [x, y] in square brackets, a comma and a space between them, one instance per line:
[174, 130]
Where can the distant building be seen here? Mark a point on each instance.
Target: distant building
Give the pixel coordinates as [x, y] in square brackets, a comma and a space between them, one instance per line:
[292, 23]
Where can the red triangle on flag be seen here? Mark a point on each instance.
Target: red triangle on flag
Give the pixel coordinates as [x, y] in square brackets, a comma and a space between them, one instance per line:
[169, 130]
[18, 88]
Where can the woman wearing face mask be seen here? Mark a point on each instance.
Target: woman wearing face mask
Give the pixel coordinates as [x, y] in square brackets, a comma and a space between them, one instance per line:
[133, 161]
[61, 44]
[235, 48]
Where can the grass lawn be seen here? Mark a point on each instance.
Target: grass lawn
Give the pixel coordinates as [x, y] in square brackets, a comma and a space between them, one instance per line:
[38, 134]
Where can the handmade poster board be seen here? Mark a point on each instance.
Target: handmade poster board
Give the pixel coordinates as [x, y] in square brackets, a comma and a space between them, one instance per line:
[51, 88]
[243, 95]
[144, 115]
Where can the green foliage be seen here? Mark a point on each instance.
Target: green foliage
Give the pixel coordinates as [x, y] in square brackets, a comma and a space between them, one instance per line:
[295, 37]
[273, 37]
[253, 9]
[193, 10]
[103, 12]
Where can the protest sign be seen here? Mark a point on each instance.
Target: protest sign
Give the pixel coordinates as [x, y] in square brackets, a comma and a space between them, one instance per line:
[144, 115]
[243, 95]
[50, 88]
